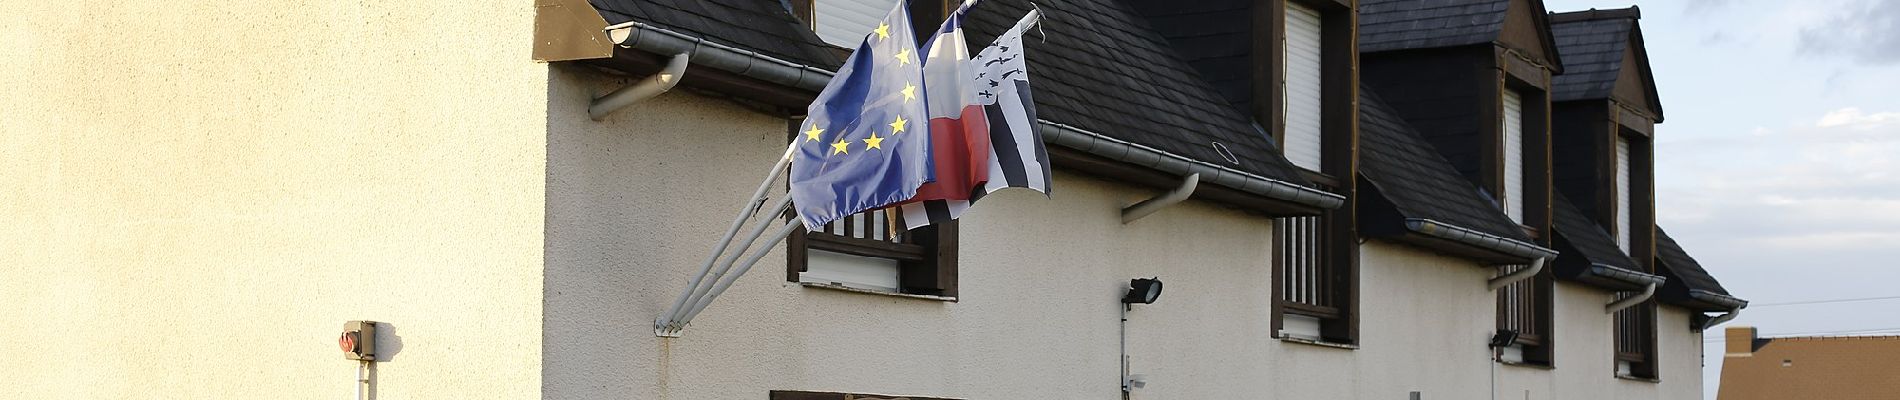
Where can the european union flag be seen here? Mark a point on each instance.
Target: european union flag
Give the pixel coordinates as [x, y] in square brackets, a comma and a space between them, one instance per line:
[865, 143]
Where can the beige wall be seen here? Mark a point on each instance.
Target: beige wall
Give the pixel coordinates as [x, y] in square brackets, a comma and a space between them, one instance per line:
[198, 194]
[633, 203]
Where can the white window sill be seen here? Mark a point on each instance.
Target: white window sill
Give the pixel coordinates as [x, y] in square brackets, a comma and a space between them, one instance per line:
[843, 288]
[1311, 342]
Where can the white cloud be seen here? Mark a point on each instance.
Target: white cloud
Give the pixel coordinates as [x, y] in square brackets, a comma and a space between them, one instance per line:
[1853, 117]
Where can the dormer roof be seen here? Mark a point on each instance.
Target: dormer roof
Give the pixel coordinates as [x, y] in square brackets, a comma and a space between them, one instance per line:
[1589, 253]
[1392, 25]
[1604, 58]
[1689, 284]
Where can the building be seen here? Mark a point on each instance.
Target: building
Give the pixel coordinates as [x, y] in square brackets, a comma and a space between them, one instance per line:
[1384, 191]
[1841, 367]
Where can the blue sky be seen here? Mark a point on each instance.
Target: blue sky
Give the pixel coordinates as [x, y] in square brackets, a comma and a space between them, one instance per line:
[1778, 166]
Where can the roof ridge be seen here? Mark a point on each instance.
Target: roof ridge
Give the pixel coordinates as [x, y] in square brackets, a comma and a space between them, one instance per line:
[1631, 12]
[1840, 338]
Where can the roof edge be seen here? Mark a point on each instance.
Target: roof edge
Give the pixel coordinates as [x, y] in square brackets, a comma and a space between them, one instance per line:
[1060, 134]
[702, 52]
[1631, 12]
[1619, 274]
[1718, 299]
[1474, 238]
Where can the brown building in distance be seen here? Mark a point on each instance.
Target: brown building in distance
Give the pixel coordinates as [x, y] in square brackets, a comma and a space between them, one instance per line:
[1835, 368]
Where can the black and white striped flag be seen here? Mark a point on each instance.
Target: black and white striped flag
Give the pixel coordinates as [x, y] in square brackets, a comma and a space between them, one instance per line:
[1017, 156]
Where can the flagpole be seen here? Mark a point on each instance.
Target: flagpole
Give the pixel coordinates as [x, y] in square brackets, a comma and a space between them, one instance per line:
[745, 213]
[722, 284]
[699, 290]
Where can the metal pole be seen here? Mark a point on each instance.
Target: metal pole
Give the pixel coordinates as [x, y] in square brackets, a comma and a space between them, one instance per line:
[720, 271]
[720, 287]
[720, 247]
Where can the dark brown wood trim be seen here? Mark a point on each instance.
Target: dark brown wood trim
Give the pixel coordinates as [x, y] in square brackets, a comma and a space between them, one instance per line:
[1269, 67]
[1524, 71]
[1491, 131]
[866, 247]
[803, 10]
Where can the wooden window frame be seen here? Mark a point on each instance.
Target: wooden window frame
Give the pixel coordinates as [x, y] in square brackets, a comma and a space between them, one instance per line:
[1339, 144]
[1643, 363]
[1538, 346]
[926, 257]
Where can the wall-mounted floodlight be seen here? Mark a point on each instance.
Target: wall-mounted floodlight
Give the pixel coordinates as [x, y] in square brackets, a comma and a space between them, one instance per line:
[1504, 338]
[1143, 291]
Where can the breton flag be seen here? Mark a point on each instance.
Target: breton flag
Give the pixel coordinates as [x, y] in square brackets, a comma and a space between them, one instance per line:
[1013, 154]
[859, 148]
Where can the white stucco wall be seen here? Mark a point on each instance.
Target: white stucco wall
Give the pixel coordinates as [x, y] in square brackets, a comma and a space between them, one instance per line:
[633, 203]
[195, 196]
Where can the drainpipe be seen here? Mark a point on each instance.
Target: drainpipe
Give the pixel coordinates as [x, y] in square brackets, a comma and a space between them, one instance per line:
[1527, 273]
[1720, 319]
[1619, 305]
[1149, 206]
[645, 89]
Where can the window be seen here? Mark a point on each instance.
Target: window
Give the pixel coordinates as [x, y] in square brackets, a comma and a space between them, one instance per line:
[1303, 90]
[1525, 307]
[1623, 188]
[1513, 148]
[1313, 282]
[1636, 340]
[844, 23]
[871, 251]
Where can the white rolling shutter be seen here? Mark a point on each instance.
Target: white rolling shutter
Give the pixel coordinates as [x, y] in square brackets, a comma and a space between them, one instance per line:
[1302, 86]
[845, 22]
[1514, 156]
[1623, 193]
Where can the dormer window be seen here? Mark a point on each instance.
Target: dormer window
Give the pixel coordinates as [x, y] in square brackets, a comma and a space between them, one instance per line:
[1513, 157]
[843, 23]
[1303, 91]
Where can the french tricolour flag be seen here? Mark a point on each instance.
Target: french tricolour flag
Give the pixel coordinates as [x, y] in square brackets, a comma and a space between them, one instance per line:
[982, 124]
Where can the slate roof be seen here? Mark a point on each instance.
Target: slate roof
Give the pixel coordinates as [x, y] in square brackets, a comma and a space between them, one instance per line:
[1585, 237]
[1212, 36]
[1386, 25]
[1100, 66]
[1593, 56]
[757, 25]
[1682, 267]
[1416, 179]
[1592, 44]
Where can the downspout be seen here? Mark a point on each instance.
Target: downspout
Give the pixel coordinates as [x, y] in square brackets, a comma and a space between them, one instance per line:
[1527, 273]
[1149, 206]
[647, 88]
[1648, 291]
[1720, 319]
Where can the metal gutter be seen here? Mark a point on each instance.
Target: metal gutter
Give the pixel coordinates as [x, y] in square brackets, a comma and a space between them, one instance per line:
[1718, 299]
[1620, 274]
[637, 35]
[1720, 319]
[1469, 237]
[1132, 153]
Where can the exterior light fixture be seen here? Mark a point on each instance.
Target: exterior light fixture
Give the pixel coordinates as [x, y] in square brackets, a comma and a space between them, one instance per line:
[1504, 338]
[1143, 291]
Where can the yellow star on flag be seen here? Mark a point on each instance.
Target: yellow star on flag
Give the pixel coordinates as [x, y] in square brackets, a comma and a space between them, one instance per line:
[841, 147]
[812, 135]
[873, 142]
[883, 30]
[898, 125]
[903, 57]
[910, 92]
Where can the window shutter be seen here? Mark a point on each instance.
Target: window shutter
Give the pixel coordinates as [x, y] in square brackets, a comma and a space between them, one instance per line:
[1302, 144]
[1514, 155]
[1623, 193]
[845, 22]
